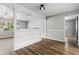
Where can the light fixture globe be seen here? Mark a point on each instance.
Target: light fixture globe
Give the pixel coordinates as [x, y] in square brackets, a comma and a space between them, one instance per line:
[42, 7]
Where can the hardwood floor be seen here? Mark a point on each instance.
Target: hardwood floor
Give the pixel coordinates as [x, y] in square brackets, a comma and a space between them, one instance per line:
[48, 47]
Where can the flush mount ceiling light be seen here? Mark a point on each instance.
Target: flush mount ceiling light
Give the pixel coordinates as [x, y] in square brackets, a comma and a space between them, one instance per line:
[42, 7]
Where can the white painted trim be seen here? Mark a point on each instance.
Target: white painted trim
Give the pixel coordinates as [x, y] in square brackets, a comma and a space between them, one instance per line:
[71, 17]
[56, 39]
[22, 45]
[55, 30]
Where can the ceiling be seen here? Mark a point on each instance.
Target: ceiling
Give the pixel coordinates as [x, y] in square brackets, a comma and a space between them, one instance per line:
[51, 8]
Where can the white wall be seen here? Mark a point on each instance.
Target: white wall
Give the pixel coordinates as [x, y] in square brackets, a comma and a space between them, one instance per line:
[4, 9]
[25, 37]
[39, 24]
[55, 26]
[43, 28]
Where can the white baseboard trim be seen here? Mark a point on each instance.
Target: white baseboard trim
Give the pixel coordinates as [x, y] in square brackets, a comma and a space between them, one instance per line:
[23, 44]
[56, 39]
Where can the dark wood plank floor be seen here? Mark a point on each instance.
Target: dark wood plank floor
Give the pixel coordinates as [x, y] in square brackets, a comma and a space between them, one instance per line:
[48, 47]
